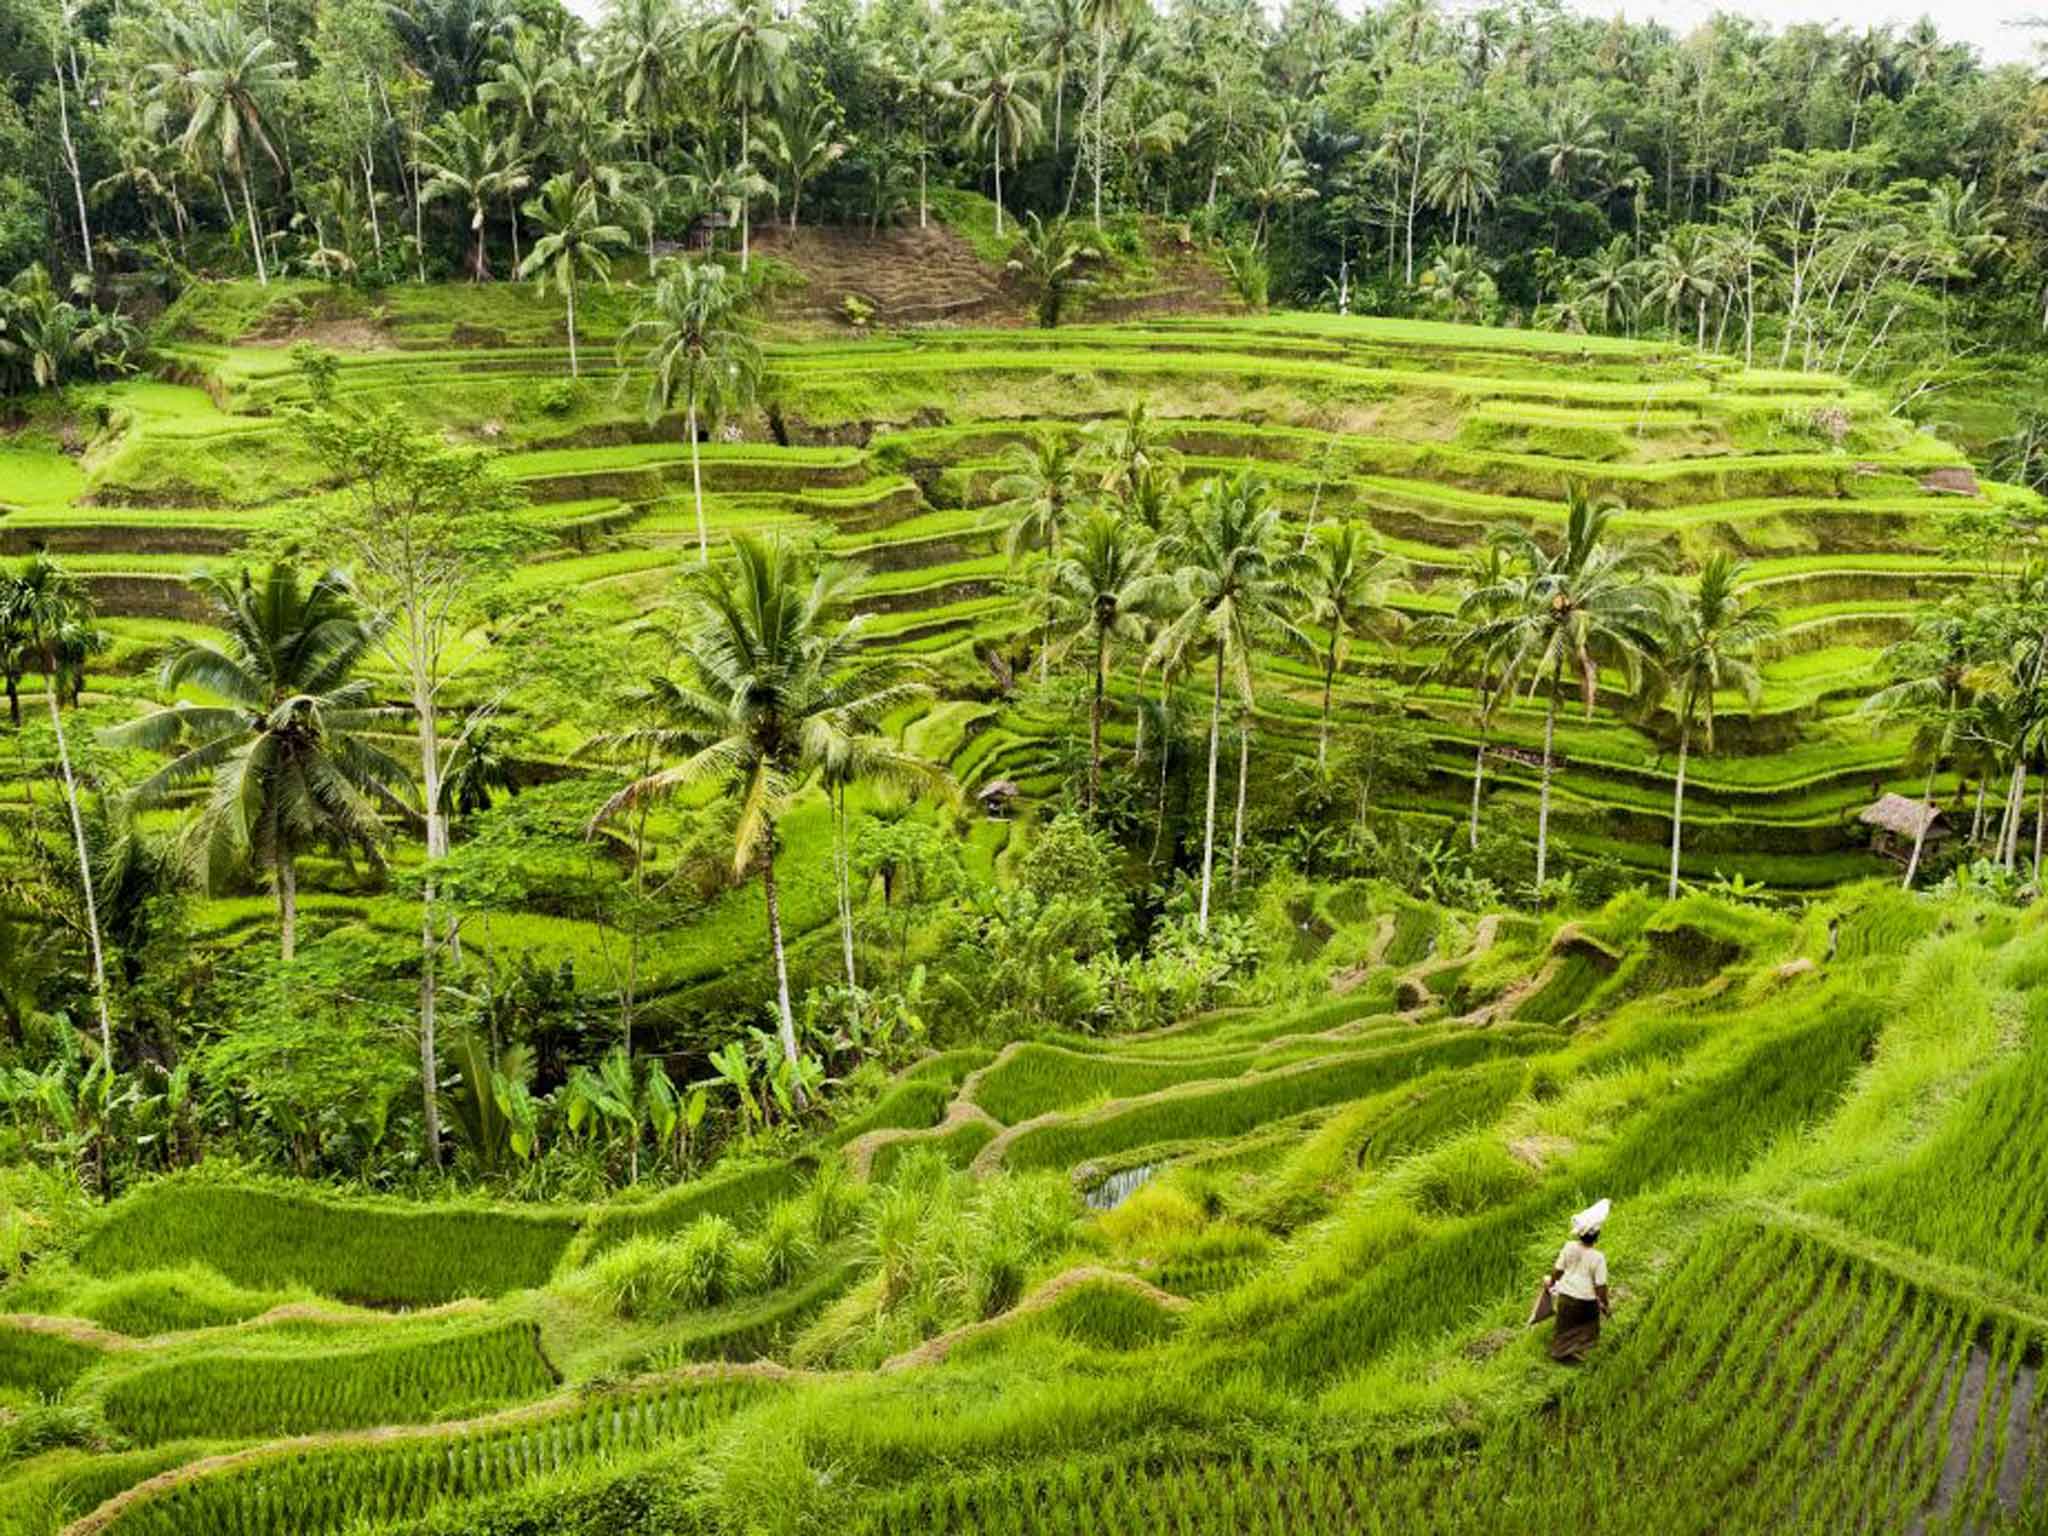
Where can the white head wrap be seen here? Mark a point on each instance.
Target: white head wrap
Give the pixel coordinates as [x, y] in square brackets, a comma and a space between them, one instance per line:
[1591, 1218]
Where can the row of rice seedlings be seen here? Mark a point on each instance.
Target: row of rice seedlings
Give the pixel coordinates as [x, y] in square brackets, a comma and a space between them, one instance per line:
[312, 1489]
[958, 1146]
[915, 1104]
[673, 1210]
[44, 1494]
[1978, 1192]
[42, 1363]
[1233, 1109]
[1775, 1385]
[242, 1396]
[371, 1251]
[1037, 1078]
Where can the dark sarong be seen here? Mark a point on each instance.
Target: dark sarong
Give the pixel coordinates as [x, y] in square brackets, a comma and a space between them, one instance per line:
[1578, 1328]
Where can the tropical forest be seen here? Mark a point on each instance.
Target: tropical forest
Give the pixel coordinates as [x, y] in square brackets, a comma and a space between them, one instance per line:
[1021, 768]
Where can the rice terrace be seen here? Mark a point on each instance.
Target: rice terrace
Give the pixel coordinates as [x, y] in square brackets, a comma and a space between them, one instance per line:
[1104, 766]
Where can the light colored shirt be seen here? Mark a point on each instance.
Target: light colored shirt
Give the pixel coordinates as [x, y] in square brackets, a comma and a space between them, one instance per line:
[1584, 1268]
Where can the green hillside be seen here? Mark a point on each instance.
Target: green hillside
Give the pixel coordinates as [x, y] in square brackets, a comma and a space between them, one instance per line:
[1264, 1269]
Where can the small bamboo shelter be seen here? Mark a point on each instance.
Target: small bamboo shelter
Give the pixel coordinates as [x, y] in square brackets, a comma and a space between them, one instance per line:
[1896, 822]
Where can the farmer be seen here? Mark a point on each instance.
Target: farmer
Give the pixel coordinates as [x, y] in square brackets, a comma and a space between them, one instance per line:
[1578, 1286]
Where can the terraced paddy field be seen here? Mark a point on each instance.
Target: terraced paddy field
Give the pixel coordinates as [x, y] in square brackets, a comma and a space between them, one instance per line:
[887, 450]
[1264, 1269]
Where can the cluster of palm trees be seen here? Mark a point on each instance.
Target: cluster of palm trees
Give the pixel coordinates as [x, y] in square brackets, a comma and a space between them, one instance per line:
[1129, 561]
[1190, 580]
[1543, 617]
[1971, 681]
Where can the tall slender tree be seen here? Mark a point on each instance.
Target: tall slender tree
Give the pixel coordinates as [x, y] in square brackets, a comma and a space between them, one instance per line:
[1712, 644]
[694, 348]
[747, 52]
[1347, 586]
[768, 682]
[575, 244]
[1566, 609]
[1235, 575]
[1103, 590]
[1001, 93]
[47, 609]
[1038, 492]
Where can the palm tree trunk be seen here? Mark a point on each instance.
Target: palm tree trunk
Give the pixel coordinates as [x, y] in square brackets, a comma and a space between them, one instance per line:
[923, 202]
[1543, 796]
[746, 202]
[430, 1086]
[1920, 833]
[1478, 779]
[998, 136]
[1095, 151]
[512, 212]
[1678, 804]
[1329, 682]
[786, 1017]
[1244, 767]
[1209, 815]
[697, 482]
[1977, 819]
[71, 164]
[287, 872]
[571, 291]
[2019, 812]
[255, 234]
[2040, 827]
[843, 857]
[92, 911]
[1095, 719]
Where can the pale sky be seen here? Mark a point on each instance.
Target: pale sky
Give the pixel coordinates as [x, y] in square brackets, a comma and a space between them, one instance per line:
[1989, 24]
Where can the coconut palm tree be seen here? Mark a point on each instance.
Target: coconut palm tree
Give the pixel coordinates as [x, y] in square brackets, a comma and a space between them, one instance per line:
[289, 743]
[463, 158]
[227, 78]
[1103, 591]
[1712, 644]
[49, 614]
[1101, 18]
[1931, 671]
[1463, 178]
[769, 685]
[1037, 493]
[921, 73]
[694, 349]
[1347, 585]
[1056, 28]
[1472, 644]
[643, 45]
[1608, 279]
[1681, 272]
[1274, 176]
[1002, 108]
[1234, 573]
[1590, 599]
[574, 245]
[747, 52]
[800, 142]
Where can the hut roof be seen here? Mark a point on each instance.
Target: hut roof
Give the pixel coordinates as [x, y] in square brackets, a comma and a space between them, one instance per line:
[1901, 816]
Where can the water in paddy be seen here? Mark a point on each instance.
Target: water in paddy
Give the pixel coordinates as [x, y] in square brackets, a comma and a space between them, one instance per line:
[1119, 1187]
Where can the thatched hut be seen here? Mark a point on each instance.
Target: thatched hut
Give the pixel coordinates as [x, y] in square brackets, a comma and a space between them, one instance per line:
[1897, 822]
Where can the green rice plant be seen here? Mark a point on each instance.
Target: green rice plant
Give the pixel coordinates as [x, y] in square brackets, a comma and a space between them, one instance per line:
[172, 1300]
[43, 1495]
[1233, 1109]
[1975, 1194]
[244, 1395]
[958, 1146]
[911, 1105]
[372, 1251]
[347, 1482]
[730, 1195]
[42, 1362]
